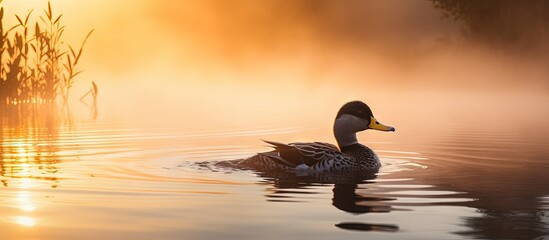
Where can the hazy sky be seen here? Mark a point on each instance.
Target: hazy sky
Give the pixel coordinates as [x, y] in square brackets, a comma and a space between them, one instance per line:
[197, 32]
[264, 54]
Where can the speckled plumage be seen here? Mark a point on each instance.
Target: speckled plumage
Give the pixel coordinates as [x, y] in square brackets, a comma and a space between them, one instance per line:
[317, 156]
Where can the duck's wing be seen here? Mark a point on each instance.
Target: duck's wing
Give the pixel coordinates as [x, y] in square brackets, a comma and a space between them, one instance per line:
[295, 154]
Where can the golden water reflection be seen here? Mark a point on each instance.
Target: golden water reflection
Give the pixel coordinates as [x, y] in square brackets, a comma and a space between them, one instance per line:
[25, 221]
[25, 204]
[28, 161]
[104, 180]
[26, 156]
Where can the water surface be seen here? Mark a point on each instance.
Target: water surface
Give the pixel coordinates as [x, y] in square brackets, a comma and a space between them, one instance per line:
[107, 180]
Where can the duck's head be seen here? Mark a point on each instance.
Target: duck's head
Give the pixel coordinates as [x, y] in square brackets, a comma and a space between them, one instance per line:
[354, 117]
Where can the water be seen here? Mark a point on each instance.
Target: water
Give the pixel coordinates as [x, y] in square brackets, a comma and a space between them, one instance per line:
[109, 180]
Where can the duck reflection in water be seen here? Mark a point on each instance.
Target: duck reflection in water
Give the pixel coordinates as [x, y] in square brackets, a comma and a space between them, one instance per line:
[288, 186]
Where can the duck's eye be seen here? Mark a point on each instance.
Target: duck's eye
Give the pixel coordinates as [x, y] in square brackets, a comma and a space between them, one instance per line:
[377, 122]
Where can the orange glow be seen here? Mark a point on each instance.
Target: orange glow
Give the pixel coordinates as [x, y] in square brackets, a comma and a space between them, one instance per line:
[243, 62]
[25, 221]
[204, 80]
[25, 203]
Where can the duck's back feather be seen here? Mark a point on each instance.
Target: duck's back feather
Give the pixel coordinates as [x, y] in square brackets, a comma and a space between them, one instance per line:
[295, 154]
[315, 156]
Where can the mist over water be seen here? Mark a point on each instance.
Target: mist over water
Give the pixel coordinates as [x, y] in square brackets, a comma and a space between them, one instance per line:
[259, 56]
[185, 84]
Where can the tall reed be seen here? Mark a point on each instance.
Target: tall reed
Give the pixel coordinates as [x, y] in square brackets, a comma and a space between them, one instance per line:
[36, 67]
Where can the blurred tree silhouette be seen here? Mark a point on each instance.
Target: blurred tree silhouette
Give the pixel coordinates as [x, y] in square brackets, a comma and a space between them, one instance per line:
[524, 24]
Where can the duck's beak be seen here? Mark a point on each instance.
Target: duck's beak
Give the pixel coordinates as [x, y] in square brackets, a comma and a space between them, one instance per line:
[374, 124]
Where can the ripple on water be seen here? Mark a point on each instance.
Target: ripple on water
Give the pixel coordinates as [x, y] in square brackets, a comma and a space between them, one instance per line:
[167, 173]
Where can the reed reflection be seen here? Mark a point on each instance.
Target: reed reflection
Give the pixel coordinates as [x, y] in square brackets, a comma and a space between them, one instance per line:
[28, 154]
[288, 186]
[27, 146]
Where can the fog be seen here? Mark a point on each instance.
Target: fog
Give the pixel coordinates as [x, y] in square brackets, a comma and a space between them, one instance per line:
[249, 61]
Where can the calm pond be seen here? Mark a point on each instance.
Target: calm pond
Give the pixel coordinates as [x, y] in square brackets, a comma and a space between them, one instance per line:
[113, 180]
[170, 88]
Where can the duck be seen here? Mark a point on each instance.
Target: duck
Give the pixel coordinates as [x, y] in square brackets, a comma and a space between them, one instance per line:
[349, 155]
